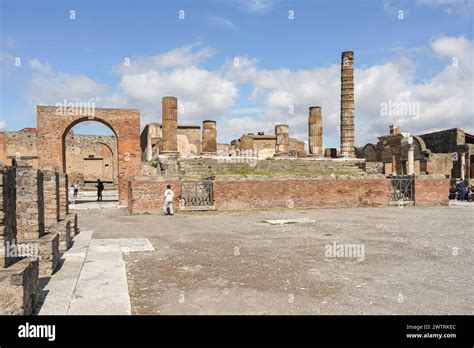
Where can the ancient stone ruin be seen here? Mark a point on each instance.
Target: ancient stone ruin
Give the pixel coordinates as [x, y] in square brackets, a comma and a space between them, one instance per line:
[256, 171]
[35, 229]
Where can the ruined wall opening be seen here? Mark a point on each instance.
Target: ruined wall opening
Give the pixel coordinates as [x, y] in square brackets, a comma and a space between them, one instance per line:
[53, 125]
[90, 153]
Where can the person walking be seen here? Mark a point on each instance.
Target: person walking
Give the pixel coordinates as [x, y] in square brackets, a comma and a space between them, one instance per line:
[168, 205]
[100, 188]
[76, 189]
[71, 195]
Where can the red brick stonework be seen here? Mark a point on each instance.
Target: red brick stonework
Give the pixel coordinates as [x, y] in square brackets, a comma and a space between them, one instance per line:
[52, 127]
[268, 194]
[146, 195]
[431, 191]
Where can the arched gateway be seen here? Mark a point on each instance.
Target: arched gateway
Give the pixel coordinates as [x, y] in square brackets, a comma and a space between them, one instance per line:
[53, 123]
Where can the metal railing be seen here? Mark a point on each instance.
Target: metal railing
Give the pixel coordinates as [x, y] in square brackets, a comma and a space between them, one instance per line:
[197, 193]
[403, 188]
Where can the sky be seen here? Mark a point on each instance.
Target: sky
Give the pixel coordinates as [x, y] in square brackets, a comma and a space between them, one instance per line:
[248, 64]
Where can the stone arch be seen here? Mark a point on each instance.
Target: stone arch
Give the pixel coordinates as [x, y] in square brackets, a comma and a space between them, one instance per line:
[369, 152]
[53, 124]
[420, 146]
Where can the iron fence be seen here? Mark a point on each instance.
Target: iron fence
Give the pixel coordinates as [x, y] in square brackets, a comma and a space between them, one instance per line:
[197, 193]
[403, 188]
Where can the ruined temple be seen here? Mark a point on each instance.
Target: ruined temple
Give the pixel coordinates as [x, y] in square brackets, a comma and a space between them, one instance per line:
[448, 152]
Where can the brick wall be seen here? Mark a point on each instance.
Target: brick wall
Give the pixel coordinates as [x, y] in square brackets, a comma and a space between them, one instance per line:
[146, 195]
[431, 191]
[268, 194]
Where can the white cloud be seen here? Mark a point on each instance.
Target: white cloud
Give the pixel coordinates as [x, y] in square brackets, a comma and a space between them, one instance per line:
[3, 126]
[444, 99]
[220, 22]
[255, 6]
[201, 93]
[51, 87]
[283, 95]
[182, 57]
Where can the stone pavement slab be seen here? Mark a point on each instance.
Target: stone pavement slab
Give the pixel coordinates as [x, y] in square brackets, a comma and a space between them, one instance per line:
[92, 279]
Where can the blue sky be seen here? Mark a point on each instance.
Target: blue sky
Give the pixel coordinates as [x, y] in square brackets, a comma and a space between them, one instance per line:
[282, 60]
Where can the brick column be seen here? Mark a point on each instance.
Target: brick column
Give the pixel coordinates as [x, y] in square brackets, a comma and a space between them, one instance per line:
[209, 136]
[347, 104]
[315, 130]
[170, 124]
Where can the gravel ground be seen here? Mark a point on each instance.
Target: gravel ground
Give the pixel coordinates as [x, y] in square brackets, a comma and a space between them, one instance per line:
[416, 260]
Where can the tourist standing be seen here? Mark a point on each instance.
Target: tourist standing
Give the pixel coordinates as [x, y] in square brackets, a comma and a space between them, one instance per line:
[76, 189]
[71, 195]
[169, 196]
[100, 188]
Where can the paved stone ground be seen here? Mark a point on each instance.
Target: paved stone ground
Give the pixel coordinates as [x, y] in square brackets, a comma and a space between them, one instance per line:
[417, 261]
[91, 279]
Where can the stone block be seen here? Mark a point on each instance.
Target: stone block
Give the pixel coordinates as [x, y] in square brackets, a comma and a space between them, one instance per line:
[19, 288]
[47, 248]
[65, 233]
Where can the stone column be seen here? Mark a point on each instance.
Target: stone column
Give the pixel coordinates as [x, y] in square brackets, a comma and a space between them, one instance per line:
[29, 204]
[347, 104]
[51, 198]
[7, 215]
[63, 195]
[463, 165]
[394, 164]
[411, 159]
[282, 140]
[170, 124]
[209, 136]
[315, 129]
[149, 148]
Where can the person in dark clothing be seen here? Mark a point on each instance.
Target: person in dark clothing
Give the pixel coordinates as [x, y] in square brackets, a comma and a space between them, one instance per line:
[100, 188]
[463, 192]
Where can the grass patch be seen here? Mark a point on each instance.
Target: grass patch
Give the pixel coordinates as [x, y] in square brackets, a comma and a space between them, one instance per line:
[304, 173]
